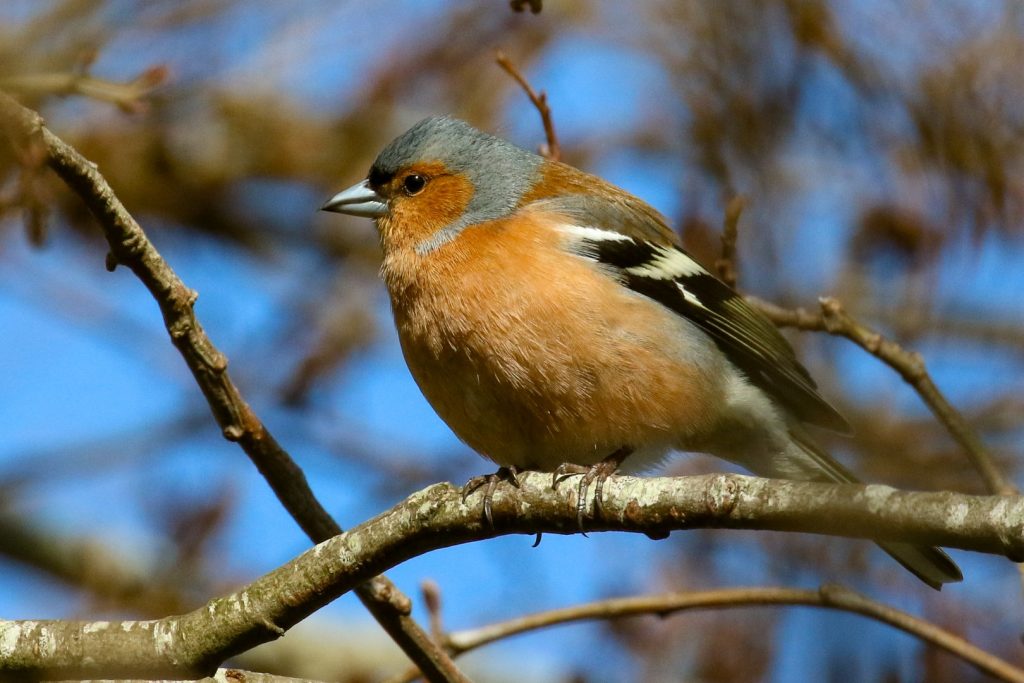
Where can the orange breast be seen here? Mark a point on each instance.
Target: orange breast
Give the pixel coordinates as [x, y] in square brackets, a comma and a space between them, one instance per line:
[535, 358]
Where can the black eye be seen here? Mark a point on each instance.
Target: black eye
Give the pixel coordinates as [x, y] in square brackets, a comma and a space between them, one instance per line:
[414, 183]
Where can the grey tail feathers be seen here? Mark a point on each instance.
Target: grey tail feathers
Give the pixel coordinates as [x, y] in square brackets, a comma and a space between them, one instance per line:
[930, 565]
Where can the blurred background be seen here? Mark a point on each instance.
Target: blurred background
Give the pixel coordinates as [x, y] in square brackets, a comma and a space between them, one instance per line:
[880, 149]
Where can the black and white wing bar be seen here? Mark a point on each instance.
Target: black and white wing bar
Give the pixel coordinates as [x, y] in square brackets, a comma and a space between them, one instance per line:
[670, 276]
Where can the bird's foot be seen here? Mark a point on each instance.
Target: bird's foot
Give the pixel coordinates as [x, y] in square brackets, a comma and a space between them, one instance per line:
[490, 481]
[592, 474]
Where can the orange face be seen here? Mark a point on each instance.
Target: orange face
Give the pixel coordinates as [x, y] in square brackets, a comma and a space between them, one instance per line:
[423, 199]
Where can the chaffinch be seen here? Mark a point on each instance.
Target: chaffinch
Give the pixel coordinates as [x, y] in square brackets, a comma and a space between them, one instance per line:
[554, 323]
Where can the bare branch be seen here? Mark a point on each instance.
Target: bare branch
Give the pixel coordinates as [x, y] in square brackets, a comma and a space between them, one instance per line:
[550, 150]
[238, 676]
[829, 596]
[230, 676]
[432, 599]
[128, 96]
[911, 367]
[437, 517]
[726, 264]
[104, 572]
[520, 5]
[130, 246]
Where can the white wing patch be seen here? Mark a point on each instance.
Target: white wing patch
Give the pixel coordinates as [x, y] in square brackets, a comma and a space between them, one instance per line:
[593, 234]
[689, 296]
[668, 264]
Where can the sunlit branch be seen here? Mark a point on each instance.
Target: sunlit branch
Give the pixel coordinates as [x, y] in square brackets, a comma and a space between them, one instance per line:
[829, 596]
[438, 517]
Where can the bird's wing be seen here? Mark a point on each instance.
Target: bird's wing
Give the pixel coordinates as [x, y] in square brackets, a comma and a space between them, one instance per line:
[626, 214]
[619, 237]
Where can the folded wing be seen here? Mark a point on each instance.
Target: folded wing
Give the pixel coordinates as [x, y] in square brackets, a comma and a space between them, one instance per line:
[644, 258]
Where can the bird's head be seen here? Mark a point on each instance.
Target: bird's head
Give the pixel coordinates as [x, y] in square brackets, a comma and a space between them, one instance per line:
[437, 178]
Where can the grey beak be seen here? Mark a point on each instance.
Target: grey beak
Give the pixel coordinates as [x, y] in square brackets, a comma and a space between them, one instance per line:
[358, 200]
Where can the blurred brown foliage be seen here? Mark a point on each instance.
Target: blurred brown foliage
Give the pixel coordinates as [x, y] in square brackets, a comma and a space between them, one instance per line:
[915, 110]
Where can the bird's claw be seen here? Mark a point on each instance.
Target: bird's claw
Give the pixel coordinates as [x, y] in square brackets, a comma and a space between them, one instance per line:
[490, 481]
[593, 474]
[566, 469]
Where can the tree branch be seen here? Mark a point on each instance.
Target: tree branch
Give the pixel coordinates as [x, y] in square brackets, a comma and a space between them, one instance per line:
[231, 676]
[436, 517]
[726, 263]
[911, 367]
[128, 96]
[130, 246]
[91, 566]
[829, 596]
[520, 5]
[551, 150]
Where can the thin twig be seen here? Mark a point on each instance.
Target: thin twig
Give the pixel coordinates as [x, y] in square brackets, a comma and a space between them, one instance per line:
[432, 599]
[128, 96]
[520, 5]
[828, 597]
[834, 320]
[726, 264]
[130, 246]
[31, 192]
[551, 149]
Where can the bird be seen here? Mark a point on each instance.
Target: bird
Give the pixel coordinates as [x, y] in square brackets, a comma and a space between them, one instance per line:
[555, 323]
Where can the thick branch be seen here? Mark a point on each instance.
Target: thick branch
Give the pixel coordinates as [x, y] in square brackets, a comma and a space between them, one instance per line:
[232, 676]
[130, 246]
[437, 517]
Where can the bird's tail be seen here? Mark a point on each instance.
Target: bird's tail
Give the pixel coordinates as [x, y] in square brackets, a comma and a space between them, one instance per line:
[931, 565]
